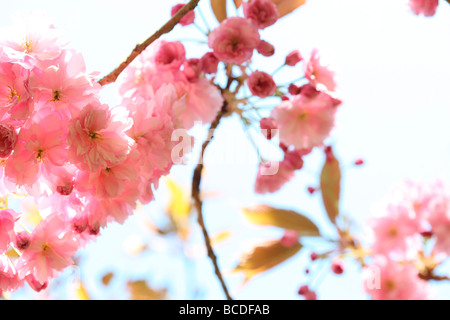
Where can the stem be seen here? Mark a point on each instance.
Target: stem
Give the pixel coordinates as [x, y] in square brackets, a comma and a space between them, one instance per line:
[112, 77]
[196, 181]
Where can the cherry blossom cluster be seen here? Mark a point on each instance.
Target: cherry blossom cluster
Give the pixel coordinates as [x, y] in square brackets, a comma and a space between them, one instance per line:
[411, 238]
[305, 116]
[85, 163]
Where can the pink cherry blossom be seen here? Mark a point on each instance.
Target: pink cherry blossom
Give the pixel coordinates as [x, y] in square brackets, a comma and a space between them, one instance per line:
[187, 19]
[209, 63]
[201, 102]
[389, 280]
[265, 48]
[318, 74]
[293, 58]
[51, 249]
[15, 97]
[268, 182]
[152, 132]
[32, 41]
[64, 88]
[425, 7]
[234, 40]
[39, 149]
[192, 68]
[96, 138]
[262, 13]
[167, 55]
[8, 139]
[261, 84]
[394, 231]
[307, 119]
[7, 235]
[9, 279]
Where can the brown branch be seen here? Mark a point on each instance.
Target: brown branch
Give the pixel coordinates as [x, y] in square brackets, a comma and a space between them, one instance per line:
[196, 181]
[112, 77]
[431, 276]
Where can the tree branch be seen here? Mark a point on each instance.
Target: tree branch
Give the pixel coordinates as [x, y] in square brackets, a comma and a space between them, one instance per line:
[196, 181]
[112, 77]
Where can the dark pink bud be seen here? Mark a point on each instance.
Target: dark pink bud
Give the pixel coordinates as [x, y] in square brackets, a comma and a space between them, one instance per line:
[290, 238]
[22, 240]
[65, 189]
[8, 139]
[192, 68]
[427, 234]
[337, 266]
[303, 290]
[314, 256]
[210, 63]
[294, 159]
[293, 58]
[261, 84]
[34, 284]
[293, 89]
[266, 49]
[285, 98]
[311, 190]
[359, 162]
[310, 295]
[79, 224]
[187, 19]
[267, 125]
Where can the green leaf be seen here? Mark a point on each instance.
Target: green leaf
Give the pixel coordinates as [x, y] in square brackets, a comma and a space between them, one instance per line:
[265, 215]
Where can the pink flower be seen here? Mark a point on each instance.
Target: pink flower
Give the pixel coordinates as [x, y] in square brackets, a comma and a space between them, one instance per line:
[268, 127]
[8, 139]
[425, 7]
[187, 19]
[192, 69]
[261, 84]
[389, 280]
[7, 235]
[39, 150]
[34, 284]
[394, 231]
[32, 41]
[167, 55]
[51, 250]
[307, 119]
[293, 58]
[234, 40]
[266, 49]
[9, 280]
[97, 138]
[272, 176]
[15, 97]
[108, 182]
[152, 132]
[200, 102]
[209, 63]
[319, 74]
[64, 88]
[262, 13]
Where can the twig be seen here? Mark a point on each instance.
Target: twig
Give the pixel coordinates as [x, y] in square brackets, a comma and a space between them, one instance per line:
[196, 181]
[112, 77]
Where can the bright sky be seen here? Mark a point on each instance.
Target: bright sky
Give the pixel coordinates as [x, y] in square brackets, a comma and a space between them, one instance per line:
[393, 75]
